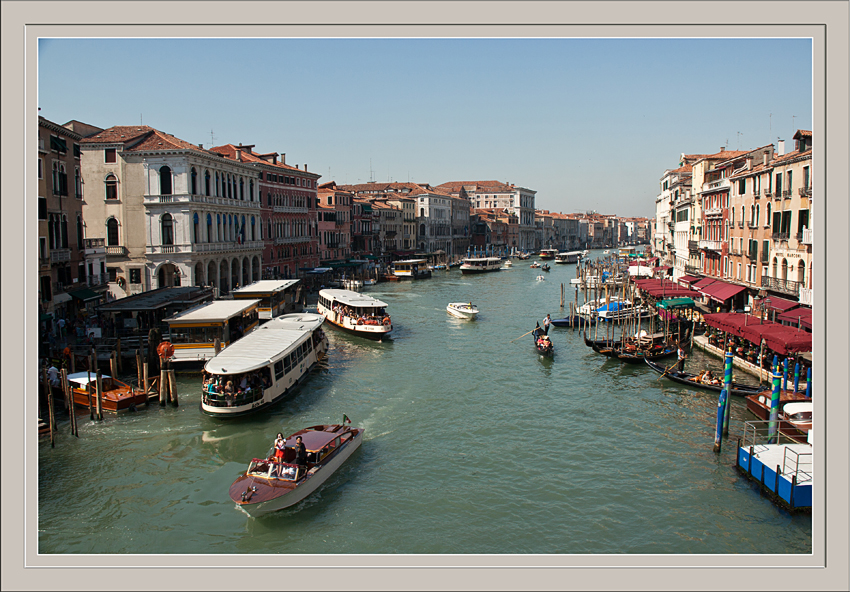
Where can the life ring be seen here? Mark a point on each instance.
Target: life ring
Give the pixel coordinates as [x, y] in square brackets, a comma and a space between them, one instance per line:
[360, 322]
[387, 321]
[165, 350]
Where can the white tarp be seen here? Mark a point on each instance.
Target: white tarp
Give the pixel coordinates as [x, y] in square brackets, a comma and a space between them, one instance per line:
[640, 270]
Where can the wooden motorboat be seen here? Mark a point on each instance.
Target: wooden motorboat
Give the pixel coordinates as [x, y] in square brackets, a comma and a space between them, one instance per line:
[462, 310]
[535, 265]
[794, 414]
[701, 382]
[799, 415]
[116, 396]
[272, 484]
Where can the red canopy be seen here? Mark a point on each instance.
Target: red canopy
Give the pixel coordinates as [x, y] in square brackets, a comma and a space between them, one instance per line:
[782, 304]
[665, 288]
[688, 279]
[721, 291]
[780, 338]
[731, 322]
[703, 282]
[800, 315]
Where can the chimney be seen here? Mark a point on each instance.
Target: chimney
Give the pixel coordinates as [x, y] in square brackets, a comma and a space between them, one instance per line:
[305, 166]
[750, 162]
[766, 157]
[283, 158]
[274, 159]
[238, 155]
[723, 149]
[780, 148]
[201, 146]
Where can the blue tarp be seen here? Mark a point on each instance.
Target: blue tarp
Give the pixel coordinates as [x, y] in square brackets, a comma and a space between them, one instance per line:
[613, 306]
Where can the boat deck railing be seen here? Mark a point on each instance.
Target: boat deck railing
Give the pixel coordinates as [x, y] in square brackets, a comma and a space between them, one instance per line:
[237, 400]
[758, 436]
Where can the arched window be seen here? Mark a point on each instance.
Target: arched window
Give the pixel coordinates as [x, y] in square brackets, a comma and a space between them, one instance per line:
[165, 181]
[209, 228]
[241, 188]
[206, 182]
[253, 229]
[758, 215]
[78, 183]
[196, 227]
[242, 229]
[767, 218]
[784, 269]
[64, 231]
[251, 190]
[79, 232]
[217, 185]
[167, 229]
[111, 182]
[194, 181]
[229, 188]
[112, 233]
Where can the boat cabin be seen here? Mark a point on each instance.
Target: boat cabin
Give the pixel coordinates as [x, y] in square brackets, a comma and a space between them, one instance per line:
[193, 333]
[276, 297]
[411, 269]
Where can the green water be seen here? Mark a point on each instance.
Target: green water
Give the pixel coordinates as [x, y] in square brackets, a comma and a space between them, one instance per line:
[473, 444]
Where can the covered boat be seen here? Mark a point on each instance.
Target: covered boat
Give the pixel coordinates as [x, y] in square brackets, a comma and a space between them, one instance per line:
[480, 265]
[462, 310]
[116, 396]
[271, 483]
[542, 343]
[355, 313]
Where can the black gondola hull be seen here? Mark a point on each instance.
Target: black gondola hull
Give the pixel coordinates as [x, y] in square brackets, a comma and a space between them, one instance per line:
[740, 390]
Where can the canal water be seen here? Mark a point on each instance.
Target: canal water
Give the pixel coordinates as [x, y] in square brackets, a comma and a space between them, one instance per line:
[473, 444]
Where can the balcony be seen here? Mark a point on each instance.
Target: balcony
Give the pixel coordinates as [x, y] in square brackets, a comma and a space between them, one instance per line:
[220, 247]
[786, 194]
[693, 270]
[768, 193]
[116, 251]
[808, 238]
[779, 236]
[288, 240]
[753, 256]
[290, 209]
[807, 296]
[756, 193]
[711, 245]
[778, 285]
[97, 279]
[805, 191]
[60, 255]
[155, 200]
[693, 245]
[713, 211]
[93, 243]
[59, 287]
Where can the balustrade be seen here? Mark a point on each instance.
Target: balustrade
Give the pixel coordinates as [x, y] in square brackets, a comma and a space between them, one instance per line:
[786, 286]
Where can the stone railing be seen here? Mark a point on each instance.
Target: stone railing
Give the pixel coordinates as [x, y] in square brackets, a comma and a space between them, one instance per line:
[808, 236]
[711, 245]
[116, 250]
[806, 296]
[60, 255]
[779, 285]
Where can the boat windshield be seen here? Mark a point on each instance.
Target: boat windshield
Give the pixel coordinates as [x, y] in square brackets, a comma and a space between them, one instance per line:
[272, 469]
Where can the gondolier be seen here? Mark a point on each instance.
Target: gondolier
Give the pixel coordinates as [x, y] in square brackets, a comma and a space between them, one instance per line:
[682, 356]
[546, 322]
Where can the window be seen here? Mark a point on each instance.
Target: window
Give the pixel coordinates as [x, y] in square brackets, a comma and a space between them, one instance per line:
[79, 233]
[40, 169]
[742, 187]
[778, 183]
[194, 181]
[111, 186]
[807, 182]
[206, 182]
[135, 275]
[112, 233]
[788, 185]
[802, 220]
[165, 181]
[78, 183]
[109, 155]
[77, 152]
[42, 208]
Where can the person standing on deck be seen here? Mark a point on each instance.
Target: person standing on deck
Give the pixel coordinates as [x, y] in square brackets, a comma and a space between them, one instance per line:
[279, 446]
[682, 356]
[300, 452]
[546, 322]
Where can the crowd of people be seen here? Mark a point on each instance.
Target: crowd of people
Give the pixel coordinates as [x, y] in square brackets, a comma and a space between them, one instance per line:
[343, 310]
[234, 388]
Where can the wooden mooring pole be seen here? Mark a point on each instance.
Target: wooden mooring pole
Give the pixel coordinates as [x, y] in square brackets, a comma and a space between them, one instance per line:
[163, 382]
[172, 385]
[88, 390]
[118, 352]
[99, 387]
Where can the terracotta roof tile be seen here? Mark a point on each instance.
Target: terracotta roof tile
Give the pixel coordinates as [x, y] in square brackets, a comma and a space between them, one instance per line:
[119, 133]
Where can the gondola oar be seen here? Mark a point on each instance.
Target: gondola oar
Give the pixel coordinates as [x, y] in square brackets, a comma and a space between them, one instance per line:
[666, 371]
[523, 335]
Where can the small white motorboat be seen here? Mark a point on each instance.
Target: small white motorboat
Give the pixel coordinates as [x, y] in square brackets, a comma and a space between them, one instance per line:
[507, 263]
[540, 278]
[462, 310]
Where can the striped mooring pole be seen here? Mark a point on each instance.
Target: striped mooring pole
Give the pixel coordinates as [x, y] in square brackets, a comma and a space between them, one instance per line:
[721, 413]
[785, 375]
[797, 377]
[808, 383]
[774, 409]
[727, 386]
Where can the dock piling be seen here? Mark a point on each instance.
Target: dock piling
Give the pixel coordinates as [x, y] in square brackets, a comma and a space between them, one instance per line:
[99, 387]
[727, 384]
[163, 382]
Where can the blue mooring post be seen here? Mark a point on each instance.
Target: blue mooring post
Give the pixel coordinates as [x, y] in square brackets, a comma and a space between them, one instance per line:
[721, 412]
[797, 377]
[785, 375]
[808, 383]
[774, 409]
[727, 386]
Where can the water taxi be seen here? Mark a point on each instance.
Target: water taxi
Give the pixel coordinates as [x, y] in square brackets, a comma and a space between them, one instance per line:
[276, 297]
[480, 265]
[414, 269]
[507, 263]
[115, 396]
[274, 483]
[462, 310]
[265, 366]
[548, 253]
[193, 333]
[355, 313]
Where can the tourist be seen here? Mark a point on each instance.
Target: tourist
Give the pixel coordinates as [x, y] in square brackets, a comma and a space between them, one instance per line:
[53, 377]
[300, 452]
[279, 447]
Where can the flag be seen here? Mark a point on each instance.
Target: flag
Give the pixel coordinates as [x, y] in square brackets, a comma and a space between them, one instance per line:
[345, 419]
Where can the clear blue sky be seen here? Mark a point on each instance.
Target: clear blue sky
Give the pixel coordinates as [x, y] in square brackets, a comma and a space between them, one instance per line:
[587, 123]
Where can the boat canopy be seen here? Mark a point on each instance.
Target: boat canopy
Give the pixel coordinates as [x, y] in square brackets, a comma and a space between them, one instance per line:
[351, 298]
[674, 303]
[264, 287]
[269, 342]
[314, 441]
[216, 311]
[83, 378]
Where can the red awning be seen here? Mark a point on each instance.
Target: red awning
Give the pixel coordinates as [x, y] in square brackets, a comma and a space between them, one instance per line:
[688, 279]
[703, 282]
[732, 322]
[780, 338]
[801, 315]
[662, 268]
[721, 291]
[782, 304]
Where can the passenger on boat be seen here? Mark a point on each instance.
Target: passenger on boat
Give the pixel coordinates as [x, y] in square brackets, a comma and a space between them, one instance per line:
[300, 452]
[279, 446]
[228, 393]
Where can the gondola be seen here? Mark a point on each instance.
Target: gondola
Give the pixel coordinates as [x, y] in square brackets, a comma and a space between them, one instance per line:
[542, 343]
[740, 390]
[576, 321]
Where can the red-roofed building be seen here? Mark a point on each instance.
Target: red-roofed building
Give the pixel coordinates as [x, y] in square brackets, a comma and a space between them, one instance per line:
[170, 212]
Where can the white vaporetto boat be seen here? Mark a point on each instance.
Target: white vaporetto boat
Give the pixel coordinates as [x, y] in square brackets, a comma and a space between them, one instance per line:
[462, 310]
[355, 313]
[265, 366]
[274, 483]
[480, 264]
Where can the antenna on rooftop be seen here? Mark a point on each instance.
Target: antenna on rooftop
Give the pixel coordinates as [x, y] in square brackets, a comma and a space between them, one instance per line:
[739, 140]
[212, 138]
[793, 117]
[140, 119]
[371, 172]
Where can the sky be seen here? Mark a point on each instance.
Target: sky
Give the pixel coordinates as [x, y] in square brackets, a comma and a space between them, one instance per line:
[589, 124]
